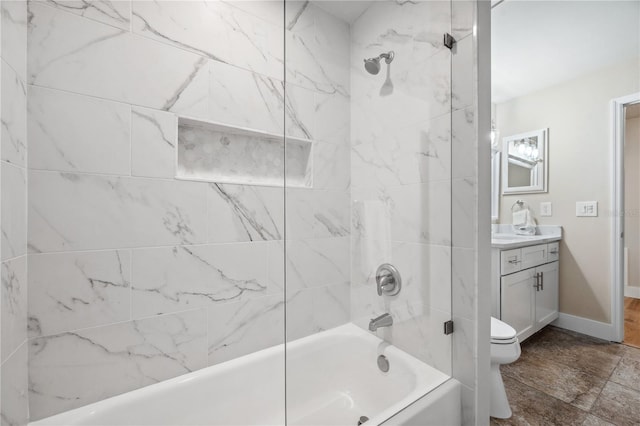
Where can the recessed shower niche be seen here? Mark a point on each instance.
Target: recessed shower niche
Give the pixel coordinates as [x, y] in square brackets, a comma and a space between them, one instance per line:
[214, 152]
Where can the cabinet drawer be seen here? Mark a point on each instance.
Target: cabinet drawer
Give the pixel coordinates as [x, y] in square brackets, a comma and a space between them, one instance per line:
[553, 251]
[510, 261]
[534, 256]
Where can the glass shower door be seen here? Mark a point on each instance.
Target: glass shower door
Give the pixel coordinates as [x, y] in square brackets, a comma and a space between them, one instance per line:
[368, 207]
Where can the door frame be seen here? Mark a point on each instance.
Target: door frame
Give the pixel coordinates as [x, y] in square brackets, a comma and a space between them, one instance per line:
[617, 121]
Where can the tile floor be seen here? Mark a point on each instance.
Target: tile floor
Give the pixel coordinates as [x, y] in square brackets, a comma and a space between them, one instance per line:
[566, 378]
[632, 322]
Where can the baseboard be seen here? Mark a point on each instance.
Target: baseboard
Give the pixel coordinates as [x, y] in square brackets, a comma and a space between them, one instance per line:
[601, 330]
[632, 292]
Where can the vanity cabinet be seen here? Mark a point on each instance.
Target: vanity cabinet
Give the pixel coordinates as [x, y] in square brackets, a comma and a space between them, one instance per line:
[526, 287]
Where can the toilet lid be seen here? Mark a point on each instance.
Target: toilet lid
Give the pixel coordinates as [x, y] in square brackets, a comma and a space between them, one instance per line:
[501, 330]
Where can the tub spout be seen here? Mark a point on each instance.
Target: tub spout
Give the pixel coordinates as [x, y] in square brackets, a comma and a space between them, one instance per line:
[384, 320]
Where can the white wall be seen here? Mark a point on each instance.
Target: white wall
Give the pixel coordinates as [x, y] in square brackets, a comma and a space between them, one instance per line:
[577, 115]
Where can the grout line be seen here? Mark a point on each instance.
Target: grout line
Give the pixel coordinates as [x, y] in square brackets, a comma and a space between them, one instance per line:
[63, 9]
[15, 258]
[544, 393]
[19, 77]
[138, 248]
[130, 284]
[130, 140]
[589, 411]
[129, 32]
[238, 243]
[93, 327]
[8, 357]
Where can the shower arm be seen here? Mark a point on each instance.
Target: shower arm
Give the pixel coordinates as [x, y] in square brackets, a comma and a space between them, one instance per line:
[388, 57]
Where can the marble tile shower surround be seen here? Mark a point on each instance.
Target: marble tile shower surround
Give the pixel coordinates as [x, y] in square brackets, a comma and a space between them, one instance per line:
[401, 174]
[148, 276]
[414, 166]
[13, 231]
[99, 216]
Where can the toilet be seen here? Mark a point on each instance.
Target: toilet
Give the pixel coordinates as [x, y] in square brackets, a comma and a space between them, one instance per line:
[505, 349]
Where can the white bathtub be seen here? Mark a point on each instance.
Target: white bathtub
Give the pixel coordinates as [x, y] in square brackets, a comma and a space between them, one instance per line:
[332, 379]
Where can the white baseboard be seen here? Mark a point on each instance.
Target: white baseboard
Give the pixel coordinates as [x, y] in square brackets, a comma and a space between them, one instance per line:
[632, 292]
[601, 330]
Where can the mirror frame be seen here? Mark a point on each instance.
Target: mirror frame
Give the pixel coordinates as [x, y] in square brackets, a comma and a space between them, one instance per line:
[496, 160]
[542, 168]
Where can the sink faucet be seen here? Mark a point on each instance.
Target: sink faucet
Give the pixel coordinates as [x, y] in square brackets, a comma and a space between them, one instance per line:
[383, 320]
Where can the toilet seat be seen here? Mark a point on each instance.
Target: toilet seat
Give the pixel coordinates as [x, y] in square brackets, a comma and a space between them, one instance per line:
[503, 342]
[502, 333]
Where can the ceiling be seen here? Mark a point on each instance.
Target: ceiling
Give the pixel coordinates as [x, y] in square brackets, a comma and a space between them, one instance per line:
[537, 44]
[347, 10]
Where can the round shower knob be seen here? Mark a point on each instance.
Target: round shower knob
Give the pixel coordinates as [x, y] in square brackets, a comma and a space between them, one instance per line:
[388, 280]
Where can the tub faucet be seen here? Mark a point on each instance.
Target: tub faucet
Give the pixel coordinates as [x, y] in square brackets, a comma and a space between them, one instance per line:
[383, 320]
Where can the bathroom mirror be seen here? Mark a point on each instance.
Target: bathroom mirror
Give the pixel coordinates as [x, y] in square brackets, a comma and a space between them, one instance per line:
[524, 164]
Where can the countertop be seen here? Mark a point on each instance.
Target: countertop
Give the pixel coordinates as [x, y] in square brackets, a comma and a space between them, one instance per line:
[511, 241]
[503, 238]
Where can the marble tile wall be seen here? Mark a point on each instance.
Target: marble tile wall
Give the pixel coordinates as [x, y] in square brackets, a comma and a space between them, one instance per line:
[152, 277]
[414, 173]
[401, 174]
[470, 207]
[13, 199]
[133, 270]
[318, 231]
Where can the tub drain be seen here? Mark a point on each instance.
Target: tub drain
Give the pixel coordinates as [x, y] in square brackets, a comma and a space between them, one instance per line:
[383, 363]
[362, 420]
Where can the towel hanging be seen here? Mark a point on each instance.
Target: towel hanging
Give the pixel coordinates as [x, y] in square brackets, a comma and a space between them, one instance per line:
[522, 218]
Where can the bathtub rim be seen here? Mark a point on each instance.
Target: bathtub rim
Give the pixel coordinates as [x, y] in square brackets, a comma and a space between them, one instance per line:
[421, 390]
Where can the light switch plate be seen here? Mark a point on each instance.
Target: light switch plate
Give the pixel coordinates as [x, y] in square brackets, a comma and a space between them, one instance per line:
[586, 208]
[545, 209]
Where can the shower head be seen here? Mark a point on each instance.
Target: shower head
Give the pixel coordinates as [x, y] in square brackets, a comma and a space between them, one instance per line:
[372, 65]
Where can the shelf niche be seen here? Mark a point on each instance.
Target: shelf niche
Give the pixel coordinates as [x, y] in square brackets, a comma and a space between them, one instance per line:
[214, 152]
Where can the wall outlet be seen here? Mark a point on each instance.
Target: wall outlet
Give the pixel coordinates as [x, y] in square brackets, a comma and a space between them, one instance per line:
[586, 208]
[545, 209]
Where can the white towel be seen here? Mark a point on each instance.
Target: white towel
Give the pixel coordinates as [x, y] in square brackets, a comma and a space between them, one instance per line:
[523, 223]
[520, 217]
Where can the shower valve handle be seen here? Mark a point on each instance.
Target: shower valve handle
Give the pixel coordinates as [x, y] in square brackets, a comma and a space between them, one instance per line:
[388, 281]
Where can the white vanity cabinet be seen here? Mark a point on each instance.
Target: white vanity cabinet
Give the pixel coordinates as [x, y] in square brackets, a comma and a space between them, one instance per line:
[525, 287]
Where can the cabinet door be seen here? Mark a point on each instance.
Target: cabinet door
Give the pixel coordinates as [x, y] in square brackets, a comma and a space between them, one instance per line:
[518, 301]
[547, 295]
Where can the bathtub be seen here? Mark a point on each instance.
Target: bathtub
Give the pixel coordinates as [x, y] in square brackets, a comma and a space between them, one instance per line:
[332, 379]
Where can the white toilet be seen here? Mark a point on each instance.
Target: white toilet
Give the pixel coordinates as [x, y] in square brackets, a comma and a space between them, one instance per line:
[505, 349]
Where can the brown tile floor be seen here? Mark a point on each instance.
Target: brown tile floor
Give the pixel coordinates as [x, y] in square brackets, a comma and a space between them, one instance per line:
[566, 378]
[632, 322]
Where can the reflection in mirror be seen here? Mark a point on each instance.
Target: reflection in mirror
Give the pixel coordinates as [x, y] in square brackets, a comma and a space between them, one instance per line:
[525, 163]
